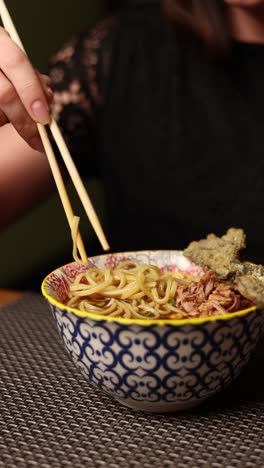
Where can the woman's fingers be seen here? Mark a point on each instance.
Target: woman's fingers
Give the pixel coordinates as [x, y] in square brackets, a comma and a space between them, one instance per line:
[12, 110]
[3, 119]
[23, 78]
[45, 79]
[25, 94]
[47, 87]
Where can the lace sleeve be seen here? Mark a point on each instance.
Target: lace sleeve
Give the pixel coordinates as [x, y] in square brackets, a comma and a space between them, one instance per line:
[79, 74]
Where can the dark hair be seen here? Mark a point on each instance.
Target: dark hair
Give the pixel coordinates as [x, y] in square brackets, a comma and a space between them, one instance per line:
[207, 19]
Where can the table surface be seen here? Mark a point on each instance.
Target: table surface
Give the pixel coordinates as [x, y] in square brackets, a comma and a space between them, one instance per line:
[8, 295]
[51, 417]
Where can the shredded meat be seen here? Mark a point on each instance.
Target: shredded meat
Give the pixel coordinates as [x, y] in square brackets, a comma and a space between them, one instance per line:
[209, 297]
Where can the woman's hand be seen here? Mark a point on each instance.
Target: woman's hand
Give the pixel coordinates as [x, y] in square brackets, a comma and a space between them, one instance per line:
[25, 94]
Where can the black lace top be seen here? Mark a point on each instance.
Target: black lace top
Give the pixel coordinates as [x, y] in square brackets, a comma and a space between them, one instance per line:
[176, 137]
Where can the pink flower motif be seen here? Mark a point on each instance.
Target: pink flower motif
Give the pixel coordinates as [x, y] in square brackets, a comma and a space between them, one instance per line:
[195, 270]
[112, 261]
[72, 270]
[192, 269]
[59, 286]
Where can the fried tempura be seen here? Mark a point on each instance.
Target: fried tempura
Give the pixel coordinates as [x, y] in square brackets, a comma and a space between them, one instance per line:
[251, 287]
[217, 253]
[221, 254]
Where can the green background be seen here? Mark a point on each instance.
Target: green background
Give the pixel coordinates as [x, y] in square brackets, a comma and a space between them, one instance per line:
[38, 243]
[45, 25]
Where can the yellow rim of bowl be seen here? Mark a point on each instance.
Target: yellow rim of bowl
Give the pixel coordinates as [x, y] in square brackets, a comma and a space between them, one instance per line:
[132, 321]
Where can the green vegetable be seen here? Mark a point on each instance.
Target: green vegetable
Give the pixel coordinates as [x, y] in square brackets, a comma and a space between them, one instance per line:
[172, 302]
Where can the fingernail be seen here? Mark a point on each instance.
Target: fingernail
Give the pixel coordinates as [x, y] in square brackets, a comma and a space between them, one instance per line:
[41, 112]
[36, 143]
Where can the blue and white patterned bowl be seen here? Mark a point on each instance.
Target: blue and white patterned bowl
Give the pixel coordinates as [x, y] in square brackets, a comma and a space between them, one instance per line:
[157, 366]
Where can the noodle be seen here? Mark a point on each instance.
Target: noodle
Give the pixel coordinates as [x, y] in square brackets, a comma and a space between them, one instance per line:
[133, 290]
[74, 233]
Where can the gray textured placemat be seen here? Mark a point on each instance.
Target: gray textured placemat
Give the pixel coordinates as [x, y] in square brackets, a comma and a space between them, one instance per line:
[50, 417]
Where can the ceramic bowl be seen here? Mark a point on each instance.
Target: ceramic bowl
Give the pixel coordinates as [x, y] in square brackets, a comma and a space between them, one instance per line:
[156, 366]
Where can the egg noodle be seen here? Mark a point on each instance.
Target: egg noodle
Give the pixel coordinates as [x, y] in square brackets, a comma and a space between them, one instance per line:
[130, 290]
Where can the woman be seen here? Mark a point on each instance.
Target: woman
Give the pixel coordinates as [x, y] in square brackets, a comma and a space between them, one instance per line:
[164, 103]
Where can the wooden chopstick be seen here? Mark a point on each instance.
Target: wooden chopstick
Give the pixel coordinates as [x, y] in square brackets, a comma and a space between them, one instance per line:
[79, 186]
[61, 188]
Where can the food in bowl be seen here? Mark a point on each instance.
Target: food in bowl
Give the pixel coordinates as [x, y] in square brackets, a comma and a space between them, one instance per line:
[146, 291]
[158, 364]
[221, 254]
[138, 290]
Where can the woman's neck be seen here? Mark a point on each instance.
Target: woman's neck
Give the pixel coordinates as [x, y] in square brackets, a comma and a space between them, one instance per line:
[247, 24]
